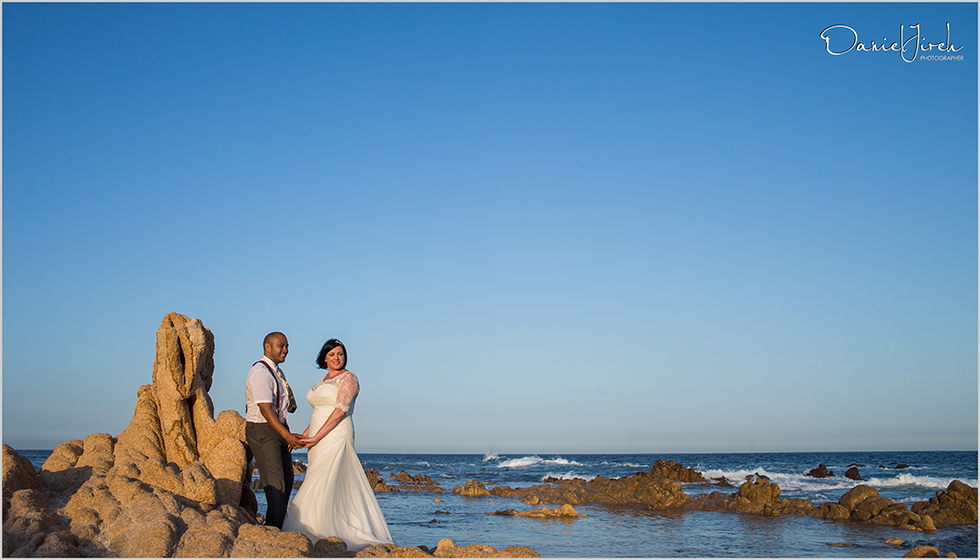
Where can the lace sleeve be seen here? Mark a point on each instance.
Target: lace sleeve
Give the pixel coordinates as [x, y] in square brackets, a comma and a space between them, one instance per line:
[347, 389]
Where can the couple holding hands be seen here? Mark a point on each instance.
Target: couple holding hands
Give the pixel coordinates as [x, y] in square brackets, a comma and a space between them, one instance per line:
[335, 499]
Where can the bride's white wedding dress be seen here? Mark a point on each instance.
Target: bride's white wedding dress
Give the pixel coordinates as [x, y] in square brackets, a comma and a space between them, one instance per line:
[335, 499]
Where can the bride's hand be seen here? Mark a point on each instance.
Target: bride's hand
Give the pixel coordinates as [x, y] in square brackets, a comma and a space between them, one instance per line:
[308, 441]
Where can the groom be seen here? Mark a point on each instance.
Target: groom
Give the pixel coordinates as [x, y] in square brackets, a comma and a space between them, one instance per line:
[267, 400]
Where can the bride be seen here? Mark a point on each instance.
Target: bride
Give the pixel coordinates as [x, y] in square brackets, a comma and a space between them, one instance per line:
[335, 499]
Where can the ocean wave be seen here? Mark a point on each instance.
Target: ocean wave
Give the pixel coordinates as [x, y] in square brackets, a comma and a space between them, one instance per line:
[907, 479]
[795, 482]
[535, 460]
[490, 456]
[566, 476]
[623, 465]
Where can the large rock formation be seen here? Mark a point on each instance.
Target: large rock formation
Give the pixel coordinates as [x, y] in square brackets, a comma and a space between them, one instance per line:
[674, 471]
[170, 484]
[174, 483]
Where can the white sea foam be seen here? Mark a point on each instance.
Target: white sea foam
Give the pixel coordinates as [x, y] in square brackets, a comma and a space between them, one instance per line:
[490, 456]
[908, 479]
[521, 462]
[535, 460]
[795, 482]
[566, 476]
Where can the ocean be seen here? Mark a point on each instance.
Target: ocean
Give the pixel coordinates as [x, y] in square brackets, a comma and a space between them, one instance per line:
[605, 532]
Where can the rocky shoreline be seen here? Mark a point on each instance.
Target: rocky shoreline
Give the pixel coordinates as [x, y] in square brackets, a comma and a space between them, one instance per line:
[175, 483]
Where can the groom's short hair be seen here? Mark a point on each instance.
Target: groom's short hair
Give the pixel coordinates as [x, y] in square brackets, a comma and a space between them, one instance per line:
[270, 337]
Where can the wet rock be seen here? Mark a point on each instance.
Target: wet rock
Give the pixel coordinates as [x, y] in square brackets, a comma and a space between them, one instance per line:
[416, 483]
[856, 495]
[894, 515]
[926, 524]
[544, 512]
[957, 505]
[377, 482]
[832, 511]
[922, 552]
[472, 489]
[895, 541]
[753, 497]
[820, 472]
[674, 471]
[853, 474]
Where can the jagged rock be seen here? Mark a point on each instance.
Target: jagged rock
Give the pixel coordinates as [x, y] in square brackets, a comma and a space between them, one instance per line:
[638, 490]
[472, 489]
[894, 515]
[853, 474]
[170, 484]
[416, 483]
[674, 471]
[753, 497]
[377, 482]
[820, 472]
[957, 505]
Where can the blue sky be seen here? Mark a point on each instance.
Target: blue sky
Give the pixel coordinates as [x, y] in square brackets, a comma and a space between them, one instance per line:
[539, 228]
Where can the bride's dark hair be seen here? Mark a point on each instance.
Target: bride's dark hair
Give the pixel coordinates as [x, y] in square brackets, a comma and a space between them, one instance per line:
[321, 358]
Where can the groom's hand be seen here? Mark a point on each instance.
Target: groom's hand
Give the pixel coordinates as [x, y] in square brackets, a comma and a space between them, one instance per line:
[294, 441]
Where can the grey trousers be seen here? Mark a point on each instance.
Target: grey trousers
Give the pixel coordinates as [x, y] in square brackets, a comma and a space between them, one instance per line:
[275, 464]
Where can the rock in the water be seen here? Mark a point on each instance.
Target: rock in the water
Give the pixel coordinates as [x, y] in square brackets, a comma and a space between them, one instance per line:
[416, 483]
[472, 489]
[856, 495]
[922, 552]
[669, 469]
[957, 505]
[853, 474]
[820, 472]
[544, 512]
